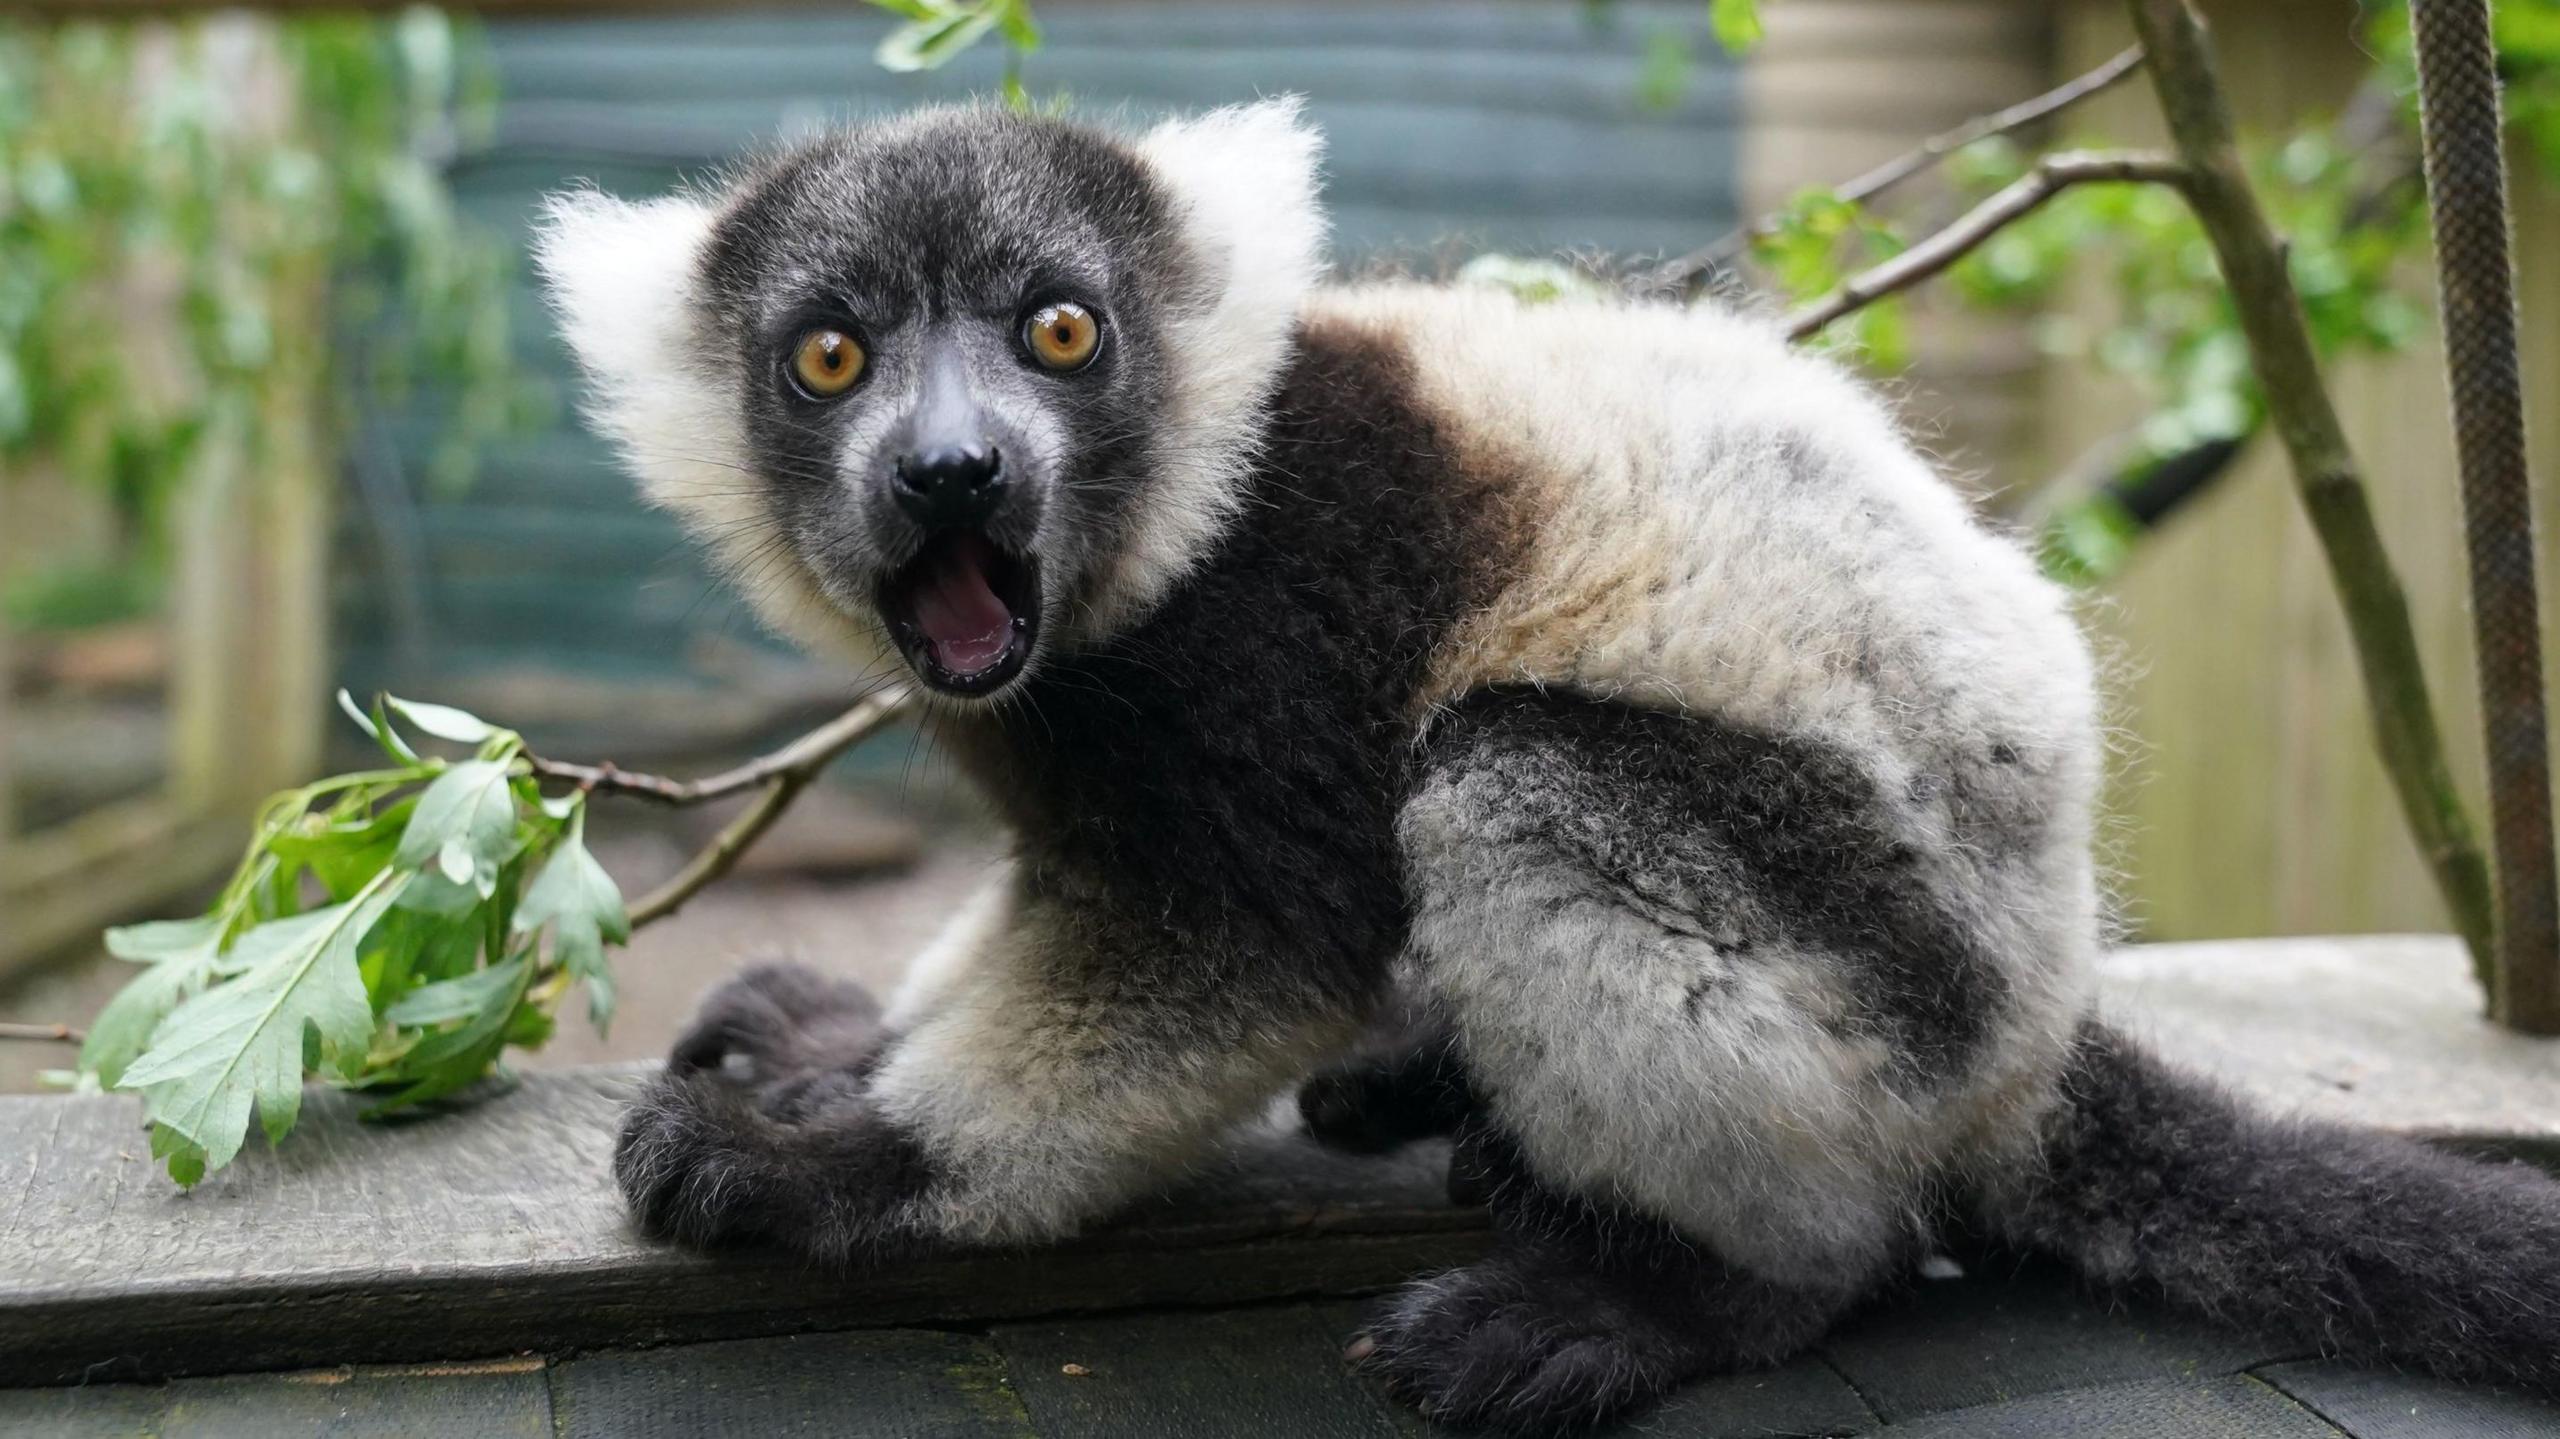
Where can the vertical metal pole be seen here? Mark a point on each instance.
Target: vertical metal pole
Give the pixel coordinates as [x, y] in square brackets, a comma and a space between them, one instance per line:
[2466, 188]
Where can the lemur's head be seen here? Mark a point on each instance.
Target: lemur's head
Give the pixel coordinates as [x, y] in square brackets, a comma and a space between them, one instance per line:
[969, 382]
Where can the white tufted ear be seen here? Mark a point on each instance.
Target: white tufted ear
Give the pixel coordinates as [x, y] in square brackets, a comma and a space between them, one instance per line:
[1246, 180]
[621, 276]
[1243, 182]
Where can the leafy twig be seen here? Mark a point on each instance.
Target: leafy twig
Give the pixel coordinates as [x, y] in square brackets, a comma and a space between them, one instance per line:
[1686, 271]
[785, 772]
[2050, 177]
[2324, 469]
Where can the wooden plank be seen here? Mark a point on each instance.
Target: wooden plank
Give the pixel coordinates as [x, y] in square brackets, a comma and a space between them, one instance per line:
[503, 1399]
[2010, 1330]
[499, 1230]
[2237, 1407]
[900, 1384]
[2383, 1031]
[1234, 1375]
[2377, 1404]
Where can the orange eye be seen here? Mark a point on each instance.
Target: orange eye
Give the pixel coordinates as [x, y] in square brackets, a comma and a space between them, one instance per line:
[1062, 336]
[827, 363]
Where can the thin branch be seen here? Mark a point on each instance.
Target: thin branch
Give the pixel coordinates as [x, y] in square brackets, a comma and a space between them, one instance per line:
[43, 1033]
[2324, 468]
[810, 751]
[1686, 270]
[784, 773]
[2051, 176]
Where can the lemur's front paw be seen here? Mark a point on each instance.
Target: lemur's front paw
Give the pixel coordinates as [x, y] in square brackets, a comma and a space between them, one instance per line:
[761, 1130]
[706, 1161]
[1488, 1346]
[771, 1022]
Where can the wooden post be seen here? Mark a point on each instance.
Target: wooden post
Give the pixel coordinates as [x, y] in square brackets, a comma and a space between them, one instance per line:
[2466, 170]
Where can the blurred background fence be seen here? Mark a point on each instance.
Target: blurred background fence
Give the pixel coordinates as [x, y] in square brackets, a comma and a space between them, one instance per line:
[401, 541]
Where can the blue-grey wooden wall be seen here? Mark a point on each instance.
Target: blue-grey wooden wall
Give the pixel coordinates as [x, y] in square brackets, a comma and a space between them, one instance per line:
[1453, 128]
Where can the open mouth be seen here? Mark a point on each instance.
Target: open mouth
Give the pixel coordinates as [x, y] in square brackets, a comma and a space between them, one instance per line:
[964, 612]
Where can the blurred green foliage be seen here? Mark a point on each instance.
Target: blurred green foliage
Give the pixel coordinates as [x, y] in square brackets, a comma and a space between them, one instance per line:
[2352, 224]
[937, 31]
[193, 214]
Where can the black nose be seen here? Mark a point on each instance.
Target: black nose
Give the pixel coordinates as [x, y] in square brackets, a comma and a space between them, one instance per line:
[951, 484]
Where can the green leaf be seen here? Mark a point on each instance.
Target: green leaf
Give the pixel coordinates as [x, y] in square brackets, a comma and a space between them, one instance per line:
[2089, 541]
[463, 826]
[931, 44]
[239, 1046]
[378, 725]
[486, 1003]
[1020, 30]
[443, 721]
[580, 901]
[186, 1158]
[447, 1000]
[1664, 75]
[345, 856]
[1533, 282]
[1736, 24]
[181, 953]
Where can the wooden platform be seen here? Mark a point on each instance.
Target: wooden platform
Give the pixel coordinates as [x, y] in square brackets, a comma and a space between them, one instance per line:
[472, 1274]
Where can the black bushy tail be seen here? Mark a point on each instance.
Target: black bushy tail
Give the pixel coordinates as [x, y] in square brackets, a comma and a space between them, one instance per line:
[2374, 1248]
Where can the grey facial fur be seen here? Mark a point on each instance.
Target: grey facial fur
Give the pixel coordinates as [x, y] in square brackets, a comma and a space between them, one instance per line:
[882, 233]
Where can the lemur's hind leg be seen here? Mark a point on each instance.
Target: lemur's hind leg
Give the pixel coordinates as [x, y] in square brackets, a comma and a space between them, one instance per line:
[1725, 1030]
[1582, 1311]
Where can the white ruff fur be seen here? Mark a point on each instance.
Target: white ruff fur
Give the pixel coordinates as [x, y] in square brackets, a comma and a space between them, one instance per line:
[1246, 180]
[621, 277]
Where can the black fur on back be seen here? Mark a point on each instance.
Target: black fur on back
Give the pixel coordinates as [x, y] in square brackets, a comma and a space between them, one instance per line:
[1226, 775]
[2369, 1247]
[1752, 840]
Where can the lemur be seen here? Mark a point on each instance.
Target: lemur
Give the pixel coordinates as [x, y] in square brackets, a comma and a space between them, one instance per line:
[1608, 684]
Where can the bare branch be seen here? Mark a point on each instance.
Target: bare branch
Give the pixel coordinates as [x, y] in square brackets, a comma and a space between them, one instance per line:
[2324, 468]
[784, 773]
[2051, 176]
[43, 1033]
[811, 750]
[1684, 272]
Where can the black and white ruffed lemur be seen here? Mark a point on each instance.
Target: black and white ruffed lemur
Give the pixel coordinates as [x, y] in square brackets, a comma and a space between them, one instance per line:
[1608, 684]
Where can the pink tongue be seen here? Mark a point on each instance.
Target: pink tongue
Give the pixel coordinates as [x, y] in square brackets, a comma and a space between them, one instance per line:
[967, 626]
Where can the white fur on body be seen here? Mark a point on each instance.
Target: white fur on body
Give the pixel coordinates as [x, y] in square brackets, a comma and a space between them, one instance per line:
[1045, 1095]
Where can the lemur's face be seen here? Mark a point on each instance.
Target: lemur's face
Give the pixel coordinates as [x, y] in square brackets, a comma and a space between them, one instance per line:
[950, 355]
[972, 382]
